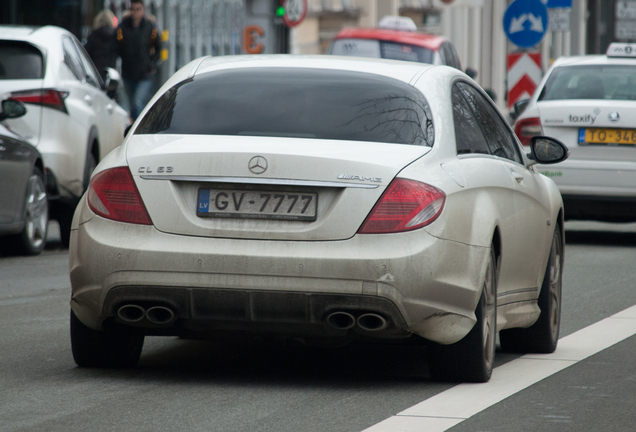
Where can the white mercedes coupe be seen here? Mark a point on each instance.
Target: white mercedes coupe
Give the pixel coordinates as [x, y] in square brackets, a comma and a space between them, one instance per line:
[325, 198]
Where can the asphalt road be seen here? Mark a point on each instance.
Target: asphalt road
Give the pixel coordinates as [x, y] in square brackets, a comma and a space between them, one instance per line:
[183, 385]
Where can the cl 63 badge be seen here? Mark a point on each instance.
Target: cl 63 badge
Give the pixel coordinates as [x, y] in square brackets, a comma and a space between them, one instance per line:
[161, 169]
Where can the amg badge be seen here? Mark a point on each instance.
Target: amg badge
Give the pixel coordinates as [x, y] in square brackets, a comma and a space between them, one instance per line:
[361, 178]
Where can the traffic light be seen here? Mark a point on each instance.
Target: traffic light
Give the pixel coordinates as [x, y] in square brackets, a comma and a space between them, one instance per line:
[280, 8]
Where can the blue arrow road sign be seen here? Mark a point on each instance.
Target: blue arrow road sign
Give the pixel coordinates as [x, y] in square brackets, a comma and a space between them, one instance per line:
[525, 22]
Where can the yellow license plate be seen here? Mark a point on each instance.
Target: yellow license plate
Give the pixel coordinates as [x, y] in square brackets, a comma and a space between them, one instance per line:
[609, 136]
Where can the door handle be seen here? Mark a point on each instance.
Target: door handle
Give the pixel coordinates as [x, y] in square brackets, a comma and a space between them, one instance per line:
[89, 100]
[110, 108]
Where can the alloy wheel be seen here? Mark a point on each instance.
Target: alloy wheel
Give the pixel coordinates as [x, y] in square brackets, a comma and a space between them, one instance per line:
[37, 212]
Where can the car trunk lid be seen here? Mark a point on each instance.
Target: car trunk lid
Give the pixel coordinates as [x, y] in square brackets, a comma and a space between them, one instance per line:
[602, 131]
[339, 180]
[22, 69]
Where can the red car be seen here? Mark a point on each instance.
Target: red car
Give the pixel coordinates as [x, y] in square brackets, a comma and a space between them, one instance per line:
[396, 39]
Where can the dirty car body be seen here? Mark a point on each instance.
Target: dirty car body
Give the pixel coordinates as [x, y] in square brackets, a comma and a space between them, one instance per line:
[309, 197]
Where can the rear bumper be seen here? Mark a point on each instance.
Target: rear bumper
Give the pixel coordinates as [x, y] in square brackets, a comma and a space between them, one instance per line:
[596, 190]
[205, 310]
[419, 283]
[61, 187]
[600, 208]
[63, 144]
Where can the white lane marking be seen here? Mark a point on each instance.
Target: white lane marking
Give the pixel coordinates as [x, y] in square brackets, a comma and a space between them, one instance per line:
[451, 407]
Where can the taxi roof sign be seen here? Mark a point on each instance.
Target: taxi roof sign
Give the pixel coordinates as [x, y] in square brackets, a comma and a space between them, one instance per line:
[621, 50]
[393, 22]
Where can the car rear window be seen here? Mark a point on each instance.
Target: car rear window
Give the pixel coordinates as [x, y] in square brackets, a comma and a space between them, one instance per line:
[294, 102]
[20, 61]
[381, 49]
[611, 82]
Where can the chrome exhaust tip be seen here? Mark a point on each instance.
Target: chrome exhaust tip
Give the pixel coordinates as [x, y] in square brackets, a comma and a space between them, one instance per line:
[341, 320]
[372, 322]
[160, 315]
[131, 313]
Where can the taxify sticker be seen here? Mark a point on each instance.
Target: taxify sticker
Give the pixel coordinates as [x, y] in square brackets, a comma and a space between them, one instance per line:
[588, 118]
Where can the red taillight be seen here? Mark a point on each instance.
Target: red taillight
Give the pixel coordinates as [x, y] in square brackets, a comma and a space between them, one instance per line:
[113, 195]
[404, 206]
[527, 128]
[46, 97]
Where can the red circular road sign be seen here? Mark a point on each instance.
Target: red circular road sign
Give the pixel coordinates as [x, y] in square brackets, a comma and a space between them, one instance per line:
[295, 12]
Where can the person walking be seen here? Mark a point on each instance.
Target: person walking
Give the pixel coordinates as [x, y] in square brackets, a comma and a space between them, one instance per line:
[101, 44]
[139, 49]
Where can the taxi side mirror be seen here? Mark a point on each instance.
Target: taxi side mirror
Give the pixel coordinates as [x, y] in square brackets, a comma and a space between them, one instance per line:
[518, 108]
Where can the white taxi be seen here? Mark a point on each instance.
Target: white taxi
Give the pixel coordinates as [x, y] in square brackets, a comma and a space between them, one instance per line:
[589, 103]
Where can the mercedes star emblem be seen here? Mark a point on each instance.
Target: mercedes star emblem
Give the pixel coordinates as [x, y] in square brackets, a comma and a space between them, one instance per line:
[258, 165]
[614, 116]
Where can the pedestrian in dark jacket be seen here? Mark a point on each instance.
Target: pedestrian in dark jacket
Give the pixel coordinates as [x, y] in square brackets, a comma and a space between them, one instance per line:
[139, 48]
[101, 45]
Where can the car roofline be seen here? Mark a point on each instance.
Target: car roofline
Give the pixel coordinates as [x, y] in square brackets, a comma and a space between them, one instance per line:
[423, 40]
[594, 59]
[344, 63]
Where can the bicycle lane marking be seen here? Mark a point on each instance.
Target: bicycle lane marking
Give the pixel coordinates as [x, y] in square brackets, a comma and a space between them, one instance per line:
[451, 407]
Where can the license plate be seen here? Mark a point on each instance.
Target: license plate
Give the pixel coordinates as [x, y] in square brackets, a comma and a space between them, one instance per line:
[607, 136]
[254, 204]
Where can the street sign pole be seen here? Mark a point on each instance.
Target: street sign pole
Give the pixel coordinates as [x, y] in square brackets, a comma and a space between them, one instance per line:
[525, 24]
[524, 75]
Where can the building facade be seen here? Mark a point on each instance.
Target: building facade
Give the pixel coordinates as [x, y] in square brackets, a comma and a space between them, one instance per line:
[194, 28]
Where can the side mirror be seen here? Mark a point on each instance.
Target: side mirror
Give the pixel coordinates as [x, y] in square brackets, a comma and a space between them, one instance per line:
[471, 72]
[112, 82]
[12, 109]
[546, 150]
[518, 108]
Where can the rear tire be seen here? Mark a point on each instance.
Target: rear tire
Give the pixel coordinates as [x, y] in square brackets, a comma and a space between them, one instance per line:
[543, 335]
[114, 347]
[471, 359]
[32, 239]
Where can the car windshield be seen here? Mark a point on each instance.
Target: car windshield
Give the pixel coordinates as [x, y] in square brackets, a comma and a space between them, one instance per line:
[381, 49]
[20, 61]
[611, 82]
[294, 102]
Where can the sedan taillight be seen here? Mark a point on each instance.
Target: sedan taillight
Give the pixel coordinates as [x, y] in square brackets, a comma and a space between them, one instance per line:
[50, 98]
[112, 194]
[404, 206]
[527, 128]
